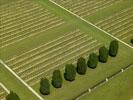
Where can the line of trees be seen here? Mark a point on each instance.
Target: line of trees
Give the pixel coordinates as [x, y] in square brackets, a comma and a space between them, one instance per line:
[80, 68]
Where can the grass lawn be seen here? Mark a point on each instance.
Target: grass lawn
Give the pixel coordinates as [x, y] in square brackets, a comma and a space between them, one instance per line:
[129, 41]
[15, 85]
[111, 10]
[72, 22]
[72, 89]
[69, 90]
[6, 1]
[118, 88]
[104, 14]
[30, 43]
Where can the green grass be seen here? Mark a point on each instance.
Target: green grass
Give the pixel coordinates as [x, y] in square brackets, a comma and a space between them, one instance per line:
[118, 88]
[13, 84]
[72, 89]
[3, 93]
[111, 10]
[6, 1]
[69, 90]
[102, 14]
[129, 40]
[30, 43]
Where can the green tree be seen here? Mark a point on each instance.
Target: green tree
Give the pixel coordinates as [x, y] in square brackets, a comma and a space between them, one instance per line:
[57, 79]
[103, 54]
[92, 61]
[44, 86]
[113, 49]
[12, 96]
[132, 41]
[81, 66]
[70, 72]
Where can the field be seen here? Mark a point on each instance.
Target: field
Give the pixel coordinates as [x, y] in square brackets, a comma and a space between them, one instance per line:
[115, 88]
[2, 2]
[38, 37]
[12, 83]
[17, 26]
[115, 15]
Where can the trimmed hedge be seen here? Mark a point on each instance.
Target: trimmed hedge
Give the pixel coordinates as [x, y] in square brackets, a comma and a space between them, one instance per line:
[81, 66]
[12, 96]
[103, 54]
[113, 49]
[70, 72]
[44, 86]
[132, 41]
[57, 79]
[92, 61]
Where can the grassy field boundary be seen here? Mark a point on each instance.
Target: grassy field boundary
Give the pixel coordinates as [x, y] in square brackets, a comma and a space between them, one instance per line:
[90, 23]
[102, 82]
[35, 93]
[3, 86]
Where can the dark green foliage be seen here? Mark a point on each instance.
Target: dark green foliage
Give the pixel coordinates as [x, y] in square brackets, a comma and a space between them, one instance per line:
[113, 49]
[103, 54]
[132, 41]
[12, 96]
[44, 86]
[81, 66]
[70, 72]
[92, 61]
[57, 79]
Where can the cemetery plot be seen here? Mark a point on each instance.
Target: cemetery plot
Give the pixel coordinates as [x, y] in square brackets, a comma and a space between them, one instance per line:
[23, 19]
[85, 8]
[36, 39]
[120, 25]
[37, 63]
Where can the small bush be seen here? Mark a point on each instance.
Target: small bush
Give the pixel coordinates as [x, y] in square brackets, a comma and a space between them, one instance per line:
[81, 66]
[92, 61]
[132, 41]
[70, 72]
[113, 49]
[12, 96]
[57, 79]
[44, 86]
[103, 54]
